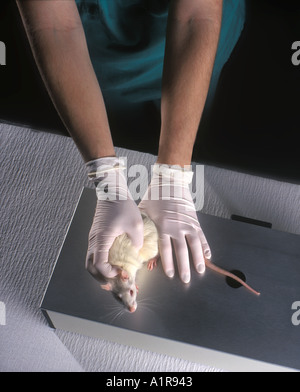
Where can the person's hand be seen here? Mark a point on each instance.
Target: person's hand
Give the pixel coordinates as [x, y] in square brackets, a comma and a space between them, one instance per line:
[168, 202]
[116, 213]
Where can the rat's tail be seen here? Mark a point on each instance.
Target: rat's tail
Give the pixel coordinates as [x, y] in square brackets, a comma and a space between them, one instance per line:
[230, 275]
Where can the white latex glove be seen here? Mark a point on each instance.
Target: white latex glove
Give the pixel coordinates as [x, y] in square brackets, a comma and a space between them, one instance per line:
[169, 203]
[116, 213]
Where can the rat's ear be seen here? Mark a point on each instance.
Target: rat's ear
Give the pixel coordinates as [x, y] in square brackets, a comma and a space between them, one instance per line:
[106, 287]
[124, 275]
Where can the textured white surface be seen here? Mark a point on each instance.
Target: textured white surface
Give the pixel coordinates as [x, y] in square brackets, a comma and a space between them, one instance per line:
[41, 177]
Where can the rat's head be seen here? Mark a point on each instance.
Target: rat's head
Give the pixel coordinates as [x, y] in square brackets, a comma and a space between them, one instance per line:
[124, 289]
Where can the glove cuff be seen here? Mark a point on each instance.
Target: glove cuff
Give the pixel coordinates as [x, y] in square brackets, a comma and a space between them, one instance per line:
[174, 173]
[109, 178]
[98, 167]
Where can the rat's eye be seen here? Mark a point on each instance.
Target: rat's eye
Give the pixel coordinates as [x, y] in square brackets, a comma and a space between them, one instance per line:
[131, 292]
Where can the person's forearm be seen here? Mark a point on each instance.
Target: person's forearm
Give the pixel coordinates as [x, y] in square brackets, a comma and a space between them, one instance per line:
[62, 56]
[191, 46]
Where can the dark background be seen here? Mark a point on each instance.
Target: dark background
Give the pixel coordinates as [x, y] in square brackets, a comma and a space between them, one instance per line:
[253, 125]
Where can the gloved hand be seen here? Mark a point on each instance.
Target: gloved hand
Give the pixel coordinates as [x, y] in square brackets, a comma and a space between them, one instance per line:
[116, 213]
[169, 203]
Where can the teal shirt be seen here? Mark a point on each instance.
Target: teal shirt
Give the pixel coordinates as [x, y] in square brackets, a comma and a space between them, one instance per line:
[126, 40]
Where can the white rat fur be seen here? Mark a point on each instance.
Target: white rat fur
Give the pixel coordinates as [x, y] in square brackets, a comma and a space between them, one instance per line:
[126, 257]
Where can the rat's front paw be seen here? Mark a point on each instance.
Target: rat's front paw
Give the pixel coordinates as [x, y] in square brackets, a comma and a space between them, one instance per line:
[152, 263]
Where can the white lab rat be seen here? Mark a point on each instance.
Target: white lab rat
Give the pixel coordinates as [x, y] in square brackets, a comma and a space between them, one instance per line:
[124, 256]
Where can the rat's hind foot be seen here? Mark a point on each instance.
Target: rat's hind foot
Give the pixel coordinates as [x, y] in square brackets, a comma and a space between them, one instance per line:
[152, 263]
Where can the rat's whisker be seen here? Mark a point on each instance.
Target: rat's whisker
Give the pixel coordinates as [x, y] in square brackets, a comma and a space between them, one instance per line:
[111, 306]
[149, 302]
[115, 310]
[118, 315]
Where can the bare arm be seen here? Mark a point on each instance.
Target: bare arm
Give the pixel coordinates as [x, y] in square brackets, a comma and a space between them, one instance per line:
[59, 46]
[192, 39]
